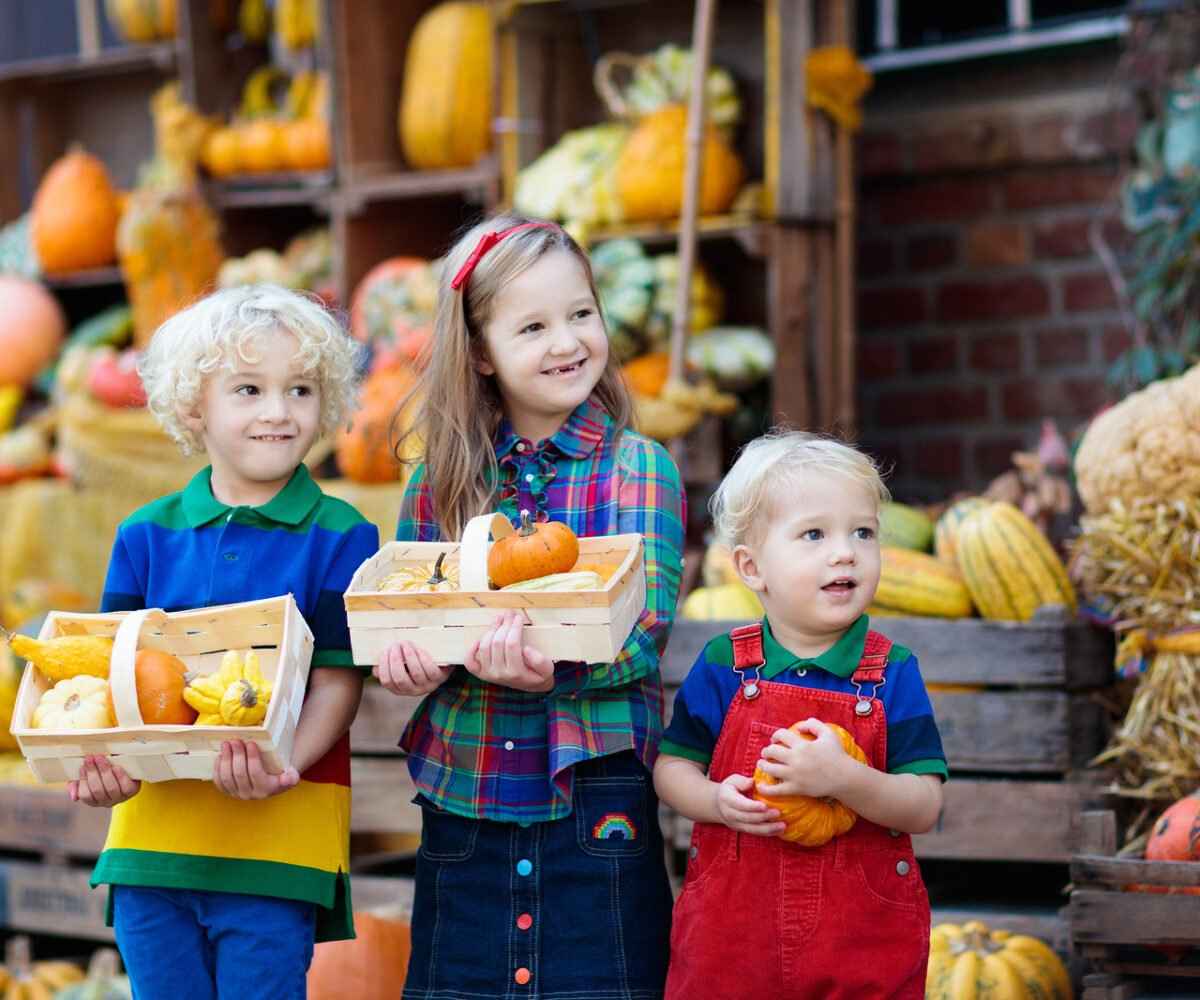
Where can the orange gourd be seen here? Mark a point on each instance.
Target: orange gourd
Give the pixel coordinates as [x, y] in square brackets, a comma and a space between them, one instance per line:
[75, 214]
[261, 145]
[365, 450]
[810, 821]
[372, 966]
[32, 327]
[222, 152]
[160, 679]
[1176, 835]
[647, 375]
[536, 549]
[306, 144]
[393, 306]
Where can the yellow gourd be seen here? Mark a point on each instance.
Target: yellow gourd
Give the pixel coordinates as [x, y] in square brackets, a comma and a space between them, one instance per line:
[76, 703]
[236, 695]
[10, 681]
[446, 101]
[243, 704]
[725, 602]
[426, 578]
[204, 692]
[575, 580]
[972, 960]
[63, 656]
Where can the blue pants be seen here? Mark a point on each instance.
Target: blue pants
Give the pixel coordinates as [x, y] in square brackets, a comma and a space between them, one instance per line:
[185, 943]
[573, 909]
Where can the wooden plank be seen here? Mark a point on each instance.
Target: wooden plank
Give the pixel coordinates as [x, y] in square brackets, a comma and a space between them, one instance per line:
[1093, 870]
[1023, 731]
[1073, 656]
[1008, 820]
[381, 719]
[392, 893]
[383, 793]
[38, 819]
[1134, 918]
[158, 56]
[1046, 923]
[52, 899]
[789, 294]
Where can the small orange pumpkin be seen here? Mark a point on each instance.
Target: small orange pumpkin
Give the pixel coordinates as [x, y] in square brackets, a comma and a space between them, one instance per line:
[32, 327]
[306, 144]
[647, 375]
[261, 145]
[811, 822]
[75, 213]
[1176, 835]
[160, 679]
[365, 451]
[222, 152]
[371, 966]
[536, 549]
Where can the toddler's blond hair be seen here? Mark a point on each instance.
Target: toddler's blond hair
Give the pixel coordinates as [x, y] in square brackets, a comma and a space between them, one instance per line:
[208, 335]
[768, 465]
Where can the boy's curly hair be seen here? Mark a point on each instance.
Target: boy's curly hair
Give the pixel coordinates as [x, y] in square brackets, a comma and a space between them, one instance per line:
[770, 465]
[206, 337]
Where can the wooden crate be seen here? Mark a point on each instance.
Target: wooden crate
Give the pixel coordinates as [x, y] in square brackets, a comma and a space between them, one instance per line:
[586, 625]
[273, 627]
[1016, 747]
[1131, 937]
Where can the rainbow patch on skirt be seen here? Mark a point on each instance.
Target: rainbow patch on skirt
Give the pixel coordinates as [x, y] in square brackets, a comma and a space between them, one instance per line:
[615, 826]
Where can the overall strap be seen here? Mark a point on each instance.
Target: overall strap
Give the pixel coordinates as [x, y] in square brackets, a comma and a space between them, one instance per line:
[870, 670]
[748, 655]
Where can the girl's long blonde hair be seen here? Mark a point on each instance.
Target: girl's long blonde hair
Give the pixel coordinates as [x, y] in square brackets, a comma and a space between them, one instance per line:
[457, 408]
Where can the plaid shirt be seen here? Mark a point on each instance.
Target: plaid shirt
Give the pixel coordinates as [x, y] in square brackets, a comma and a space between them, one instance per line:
[492, 752]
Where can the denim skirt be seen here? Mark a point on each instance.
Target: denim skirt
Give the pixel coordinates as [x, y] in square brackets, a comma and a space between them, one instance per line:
[573, 909]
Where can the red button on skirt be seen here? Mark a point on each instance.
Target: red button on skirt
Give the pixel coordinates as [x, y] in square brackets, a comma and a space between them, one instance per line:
[524, 921]
[522, 976]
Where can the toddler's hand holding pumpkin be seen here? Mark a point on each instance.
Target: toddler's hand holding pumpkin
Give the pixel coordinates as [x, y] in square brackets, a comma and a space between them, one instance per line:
[241, 774]
[740, 812]
[102, 784]
[406, 669]
[501, 657]
[808, 759]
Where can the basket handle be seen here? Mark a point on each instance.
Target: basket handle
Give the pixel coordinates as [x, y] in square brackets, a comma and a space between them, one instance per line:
[122, 680]
[606, 86]
[473, 551]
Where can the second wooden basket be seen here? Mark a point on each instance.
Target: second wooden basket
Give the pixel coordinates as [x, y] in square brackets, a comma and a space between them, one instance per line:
[586, 625]
[273, 628]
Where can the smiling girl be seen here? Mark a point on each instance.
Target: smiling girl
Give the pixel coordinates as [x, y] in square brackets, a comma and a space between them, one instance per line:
[541, 864]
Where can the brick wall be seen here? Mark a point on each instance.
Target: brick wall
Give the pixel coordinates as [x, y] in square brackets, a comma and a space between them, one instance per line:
[983, 303]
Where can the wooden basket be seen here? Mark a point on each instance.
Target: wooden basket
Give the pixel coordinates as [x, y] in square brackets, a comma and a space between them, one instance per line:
[274, 628]
[586, 625]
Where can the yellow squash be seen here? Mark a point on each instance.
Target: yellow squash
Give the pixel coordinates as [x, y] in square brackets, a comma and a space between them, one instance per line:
[913, 583]
[10, 681]
[1009, 565]
[204, 692]
[724, 602]
[77, 703]
[65, 655]
[970, 962]
[575, 580]
[446, 101]
[236, 695]
[432, 577]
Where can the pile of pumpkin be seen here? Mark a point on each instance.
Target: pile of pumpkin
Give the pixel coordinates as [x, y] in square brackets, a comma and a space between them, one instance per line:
[631, 169]
[296, 23]
[168, 694]
[538, 556]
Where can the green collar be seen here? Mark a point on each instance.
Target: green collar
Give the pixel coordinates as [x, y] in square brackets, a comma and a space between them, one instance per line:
[291, 505]
[841, 659]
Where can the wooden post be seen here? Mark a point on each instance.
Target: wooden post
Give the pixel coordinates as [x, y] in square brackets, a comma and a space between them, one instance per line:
[845, 411]
[87, 26]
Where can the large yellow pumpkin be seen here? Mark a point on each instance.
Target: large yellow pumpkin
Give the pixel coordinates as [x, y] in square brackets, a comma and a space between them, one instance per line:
[75, 215]
[170, 254]
[650, 169]
[446, 102]
[973, 961]
[142, 20]
[373, 966]
[812, 822]
[32, 327]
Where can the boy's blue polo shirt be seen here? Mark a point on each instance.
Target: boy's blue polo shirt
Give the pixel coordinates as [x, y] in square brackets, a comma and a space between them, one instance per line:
[913, 743]
[189, 550]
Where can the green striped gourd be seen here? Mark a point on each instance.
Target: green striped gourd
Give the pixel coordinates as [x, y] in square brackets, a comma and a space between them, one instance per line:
[1009, 566]
[945, 536]
[913, 583]
[905, 527]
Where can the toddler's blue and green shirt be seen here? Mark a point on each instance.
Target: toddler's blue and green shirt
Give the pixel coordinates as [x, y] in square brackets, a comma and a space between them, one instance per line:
[914, 745]
[189, 550]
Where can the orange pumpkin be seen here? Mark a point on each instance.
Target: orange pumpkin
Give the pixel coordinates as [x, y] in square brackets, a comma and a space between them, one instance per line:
[1176, 835]
[75, 215]
[536, 549]
[306, 144]
[222, 152]
[261, 145]
[365, 450]
[372, 966]
[32, 327]
[647, 375]
[160, 679]
[811, 822]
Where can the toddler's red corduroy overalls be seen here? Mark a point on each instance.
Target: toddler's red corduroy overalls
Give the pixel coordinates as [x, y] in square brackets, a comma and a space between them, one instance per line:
[760, 917]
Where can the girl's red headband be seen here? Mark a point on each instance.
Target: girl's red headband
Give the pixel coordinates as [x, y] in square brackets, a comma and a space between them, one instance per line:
[486, 242]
